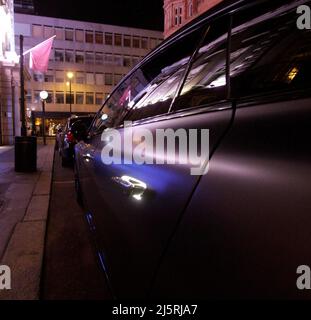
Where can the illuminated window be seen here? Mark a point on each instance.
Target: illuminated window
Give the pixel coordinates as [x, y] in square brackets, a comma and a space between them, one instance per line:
[59, 76]
[99, 79]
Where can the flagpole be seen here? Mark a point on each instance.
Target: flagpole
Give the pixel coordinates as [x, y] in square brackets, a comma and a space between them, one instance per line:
[40, 44]
[22, 86]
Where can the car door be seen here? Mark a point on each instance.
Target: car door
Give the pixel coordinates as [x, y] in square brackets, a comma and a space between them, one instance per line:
[133, 229]
[247, 227]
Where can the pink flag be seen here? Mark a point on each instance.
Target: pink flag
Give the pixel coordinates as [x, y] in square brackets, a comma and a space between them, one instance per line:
[40, 54]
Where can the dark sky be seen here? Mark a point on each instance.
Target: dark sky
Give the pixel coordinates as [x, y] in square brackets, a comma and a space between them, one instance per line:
[133, 13]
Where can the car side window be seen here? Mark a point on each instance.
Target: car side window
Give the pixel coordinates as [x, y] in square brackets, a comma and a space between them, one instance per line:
[206, 80]
[150, 89]
[274, 55]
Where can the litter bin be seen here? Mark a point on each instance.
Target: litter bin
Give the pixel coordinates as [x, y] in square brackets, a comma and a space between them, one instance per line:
[25, 154]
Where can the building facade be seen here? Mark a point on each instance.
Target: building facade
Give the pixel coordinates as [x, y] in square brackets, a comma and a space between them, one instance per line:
[9, 75]
[97, 55]
[177, 13]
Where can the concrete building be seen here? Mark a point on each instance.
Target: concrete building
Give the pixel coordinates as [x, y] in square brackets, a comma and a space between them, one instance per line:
[9, 75]
[97, 55]
[177, 13]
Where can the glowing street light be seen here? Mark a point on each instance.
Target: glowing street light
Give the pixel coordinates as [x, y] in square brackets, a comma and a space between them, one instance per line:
[43, 95]
[70, 77]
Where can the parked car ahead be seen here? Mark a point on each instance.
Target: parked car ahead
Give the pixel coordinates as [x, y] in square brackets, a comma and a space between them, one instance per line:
[243, 71]
[66, 140]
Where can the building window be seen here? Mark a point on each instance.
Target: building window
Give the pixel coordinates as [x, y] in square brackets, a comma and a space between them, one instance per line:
[127, 41]
[108, 58]
[69, 34]
[117, 78]
[118, 40]
[50, 98]
[153, 43]
[136, 61]
[36, 96]
[69, 56]
[99, 58]
[136, 42]
[59, 97]
[99, 77]
[89, 58]
[190, 11]
[29, 96]
[48, 32]
[99, 98]
[59, 55]
[118, 60]
[49, 76]
[90, 78]
[89, 36]
[178, 16]
[80, 77]
[59, 76]
[108, 79]
[108, 39]
[79, 35]
[38, 77]
[99, 38]
[70, 98]
[127, 62]
[79, 98]
[79, 57]
[89, 98]
[144, 43]
[37, 31]
[59, 33]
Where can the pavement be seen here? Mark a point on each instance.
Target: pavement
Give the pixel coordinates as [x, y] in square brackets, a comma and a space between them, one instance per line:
[24, 202]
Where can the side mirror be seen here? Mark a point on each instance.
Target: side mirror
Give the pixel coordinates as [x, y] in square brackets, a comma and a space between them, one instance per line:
[79, 130]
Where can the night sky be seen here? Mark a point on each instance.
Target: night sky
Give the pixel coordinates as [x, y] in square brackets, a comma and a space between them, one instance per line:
[136, 13]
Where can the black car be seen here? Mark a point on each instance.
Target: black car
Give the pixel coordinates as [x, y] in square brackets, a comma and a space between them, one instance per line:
[243, 71]
[66, 141]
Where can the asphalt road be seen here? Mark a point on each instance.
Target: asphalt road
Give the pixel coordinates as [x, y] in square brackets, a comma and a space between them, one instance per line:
[70, 269]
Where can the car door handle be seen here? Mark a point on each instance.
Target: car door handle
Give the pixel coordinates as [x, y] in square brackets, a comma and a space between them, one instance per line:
[131, 186]
[88, 156]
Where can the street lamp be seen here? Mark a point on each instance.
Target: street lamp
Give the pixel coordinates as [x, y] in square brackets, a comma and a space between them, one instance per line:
[43, 95]
[70, 76]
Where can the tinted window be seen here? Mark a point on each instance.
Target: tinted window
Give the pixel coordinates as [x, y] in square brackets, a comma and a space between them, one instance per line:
[206, 80]
[150, 89]
[270, 53]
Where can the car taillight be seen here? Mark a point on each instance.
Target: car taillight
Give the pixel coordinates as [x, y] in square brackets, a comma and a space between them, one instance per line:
[69, 137]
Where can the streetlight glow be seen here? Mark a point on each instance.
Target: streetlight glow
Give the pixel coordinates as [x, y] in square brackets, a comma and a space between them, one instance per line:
[44, 95]
[69, 75]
